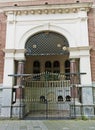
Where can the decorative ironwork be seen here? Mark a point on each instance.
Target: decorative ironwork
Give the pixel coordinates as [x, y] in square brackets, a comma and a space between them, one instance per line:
[46, 43]
[47, 98]
[41, 99]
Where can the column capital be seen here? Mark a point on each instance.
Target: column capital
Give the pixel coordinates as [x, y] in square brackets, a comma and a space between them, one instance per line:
[20, 67]
[20, 54]
[72, 60]
[9, 50]
[20, 59]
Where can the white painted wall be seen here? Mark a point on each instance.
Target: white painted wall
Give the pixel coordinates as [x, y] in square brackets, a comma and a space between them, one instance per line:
[72, 25]
[0, 98]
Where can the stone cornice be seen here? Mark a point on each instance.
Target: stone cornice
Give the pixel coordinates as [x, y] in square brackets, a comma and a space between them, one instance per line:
[47, 9]
[9, 50]
[14, 50]
[20, 50]
[17, 51]
[80, 48]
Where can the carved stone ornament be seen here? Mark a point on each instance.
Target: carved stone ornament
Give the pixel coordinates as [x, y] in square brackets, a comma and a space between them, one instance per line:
[48, 9]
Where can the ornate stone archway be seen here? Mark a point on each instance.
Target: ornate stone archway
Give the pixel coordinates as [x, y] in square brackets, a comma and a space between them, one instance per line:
[46, 27]
[46, 45]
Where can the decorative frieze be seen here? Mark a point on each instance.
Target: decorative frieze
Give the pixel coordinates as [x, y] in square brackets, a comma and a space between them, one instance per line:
[49, 11]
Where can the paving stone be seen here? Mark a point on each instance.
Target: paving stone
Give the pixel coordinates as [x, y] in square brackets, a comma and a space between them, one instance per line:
[23, 127]
[47, 125]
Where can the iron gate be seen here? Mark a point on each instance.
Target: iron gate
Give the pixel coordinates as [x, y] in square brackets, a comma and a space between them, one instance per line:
[47, 96]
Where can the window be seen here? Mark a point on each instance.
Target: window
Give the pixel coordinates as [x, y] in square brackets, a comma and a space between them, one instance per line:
[36, 67]
[67, 69]
[36, 64]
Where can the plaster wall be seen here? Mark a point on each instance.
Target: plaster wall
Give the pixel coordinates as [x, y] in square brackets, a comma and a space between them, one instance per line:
[72, 26]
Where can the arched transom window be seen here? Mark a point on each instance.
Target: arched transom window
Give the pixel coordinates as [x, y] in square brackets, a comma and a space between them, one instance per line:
[46, 43]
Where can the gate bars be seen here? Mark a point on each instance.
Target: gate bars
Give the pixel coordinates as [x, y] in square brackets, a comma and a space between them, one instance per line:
[42, 98]
[48, 88]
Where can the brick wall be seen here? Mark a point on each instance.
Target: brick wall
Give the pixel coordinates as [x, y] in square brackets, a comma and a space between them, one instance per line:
[91, 29]
[2, 44]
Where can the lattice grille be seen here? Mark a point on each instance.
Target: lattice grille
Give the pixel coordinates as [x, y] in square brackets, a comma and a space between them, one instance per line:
[46, 43]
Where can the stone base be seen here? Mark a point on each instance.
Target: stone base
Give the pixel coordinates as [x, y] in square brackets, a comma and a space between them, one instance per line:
[6, 112]
[6, 102]
[82, 110]
[75, 111]
[18, 110]
[88, 111]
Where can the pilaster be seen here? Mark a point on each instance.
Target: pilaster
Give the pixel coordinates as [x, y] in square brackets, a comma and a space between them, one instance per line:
[85, 67]
[7, 83]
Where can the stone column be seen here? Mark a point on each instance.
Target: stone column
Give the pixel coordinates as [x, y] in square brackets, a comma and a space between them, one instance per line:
[73, 71]
[20, 70]
[18, 107]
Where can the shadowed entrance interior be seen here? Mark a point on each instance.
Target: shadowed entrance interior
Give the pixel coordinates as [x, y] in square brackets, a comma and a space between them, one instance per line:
[48, 91]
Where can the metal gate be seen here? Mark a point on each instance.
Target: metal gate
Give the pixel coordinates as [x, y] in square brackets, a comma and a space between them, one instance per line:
[47, 96]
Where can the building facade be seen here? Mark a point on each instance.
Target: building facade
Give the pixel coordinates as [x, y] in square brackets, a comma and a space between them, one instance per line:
[47, 38]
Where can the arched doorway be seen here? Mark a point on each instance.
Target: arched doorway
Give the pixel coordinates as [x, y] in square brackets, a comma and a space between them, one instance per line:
[45, 59]
[47, 48]
[46, 43]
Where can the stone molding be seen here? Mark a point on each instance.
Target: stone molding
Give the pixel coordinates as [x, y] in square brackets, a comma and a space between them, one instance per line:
[14, 50]
[80, 48]
[20, 50]
[17, 54]
[17, 51]
[9, 50]
[47, 9]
